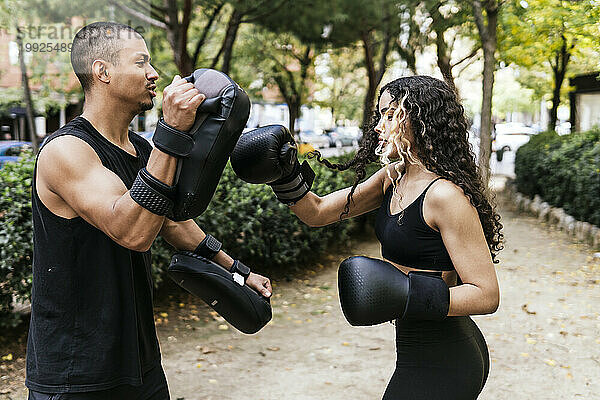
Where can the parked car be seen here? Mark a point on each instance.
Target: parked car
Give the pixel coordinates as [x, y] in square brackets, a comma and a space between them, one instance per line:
[315, 138]
[510, 136]
[341, 136]
[10, 150]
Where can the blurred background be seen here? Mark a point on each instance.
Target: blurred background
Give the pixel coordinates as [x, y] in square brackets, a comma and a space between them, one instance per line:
[519, 67]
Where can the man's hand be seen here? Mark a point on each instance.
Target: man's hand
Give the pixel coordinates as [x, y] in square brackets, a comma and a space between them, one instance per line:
[180, 101]
[259, 283]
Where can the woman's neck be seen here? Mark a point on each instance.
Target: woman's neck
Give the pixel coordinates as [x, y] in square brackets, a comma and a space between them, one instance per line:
[414, 172]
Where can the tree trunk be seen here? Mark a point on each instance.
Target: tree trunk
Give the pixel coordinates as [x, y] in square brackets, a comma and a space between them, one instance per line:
[443, 59]
[177, 35]
[27, 92]
[488, 34]
[374, 74]
[294, 110]
[559, 70]
[232, 30]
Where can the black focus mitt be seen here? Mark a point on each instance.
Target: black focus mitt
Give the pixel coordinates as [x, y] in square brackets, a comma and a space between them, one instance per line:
[220, 120]
[240, 305]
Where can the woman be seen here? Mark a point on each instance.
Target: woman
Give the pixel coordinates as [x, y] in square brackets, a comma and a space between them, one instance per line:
[433, 216]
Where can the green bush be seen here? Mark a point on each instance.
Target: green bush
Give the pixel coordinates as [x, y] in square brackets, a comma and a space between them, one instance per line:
[248, 219]
[564, 171]
[16, 237]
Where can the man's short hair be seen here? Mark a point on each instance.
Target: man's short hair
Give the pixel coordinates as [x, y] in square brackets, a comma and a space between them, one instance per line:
[97, 41]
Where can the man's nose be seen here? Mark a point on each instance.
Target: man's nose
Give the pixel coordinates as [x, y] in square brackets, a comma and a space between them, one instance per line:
[152, 75]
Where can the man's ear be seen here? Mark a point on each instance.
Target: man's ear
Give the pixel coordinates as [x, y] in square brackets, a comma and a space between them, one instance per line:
[100, 71]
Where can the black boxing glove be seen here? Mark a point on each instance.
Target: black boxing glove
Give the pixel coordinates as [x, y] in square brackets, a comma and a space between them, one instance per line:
[373, 291]
[269, 155]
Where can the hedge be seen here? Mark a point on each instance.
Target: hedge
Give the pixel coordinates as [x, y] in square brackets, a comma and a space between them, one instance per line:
[250, 222]
[564, 171]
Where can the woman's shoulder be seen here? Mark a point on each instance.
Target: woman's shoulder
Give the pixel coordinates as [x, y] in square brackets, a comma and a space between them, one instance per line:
[445, 194]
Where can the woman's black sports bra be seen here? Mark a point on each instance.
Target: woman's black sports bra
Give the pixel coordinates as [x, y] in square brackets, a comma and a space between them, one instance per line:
[409, 241]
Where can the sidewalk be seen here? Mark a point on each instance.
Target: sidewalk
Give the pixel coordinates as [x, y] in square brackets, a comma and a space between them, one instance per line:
[544, 341]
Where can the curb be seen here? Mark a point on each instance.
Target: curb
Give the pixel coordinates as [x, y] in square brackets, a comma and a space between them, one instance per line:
[544, 212]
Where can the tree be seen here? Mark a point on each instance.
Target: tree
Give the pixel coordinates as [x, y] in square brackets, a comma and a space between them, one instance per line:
[175, 18]
[340, 82]
[544, 35]
[486, 19]
[374, 24]
[281, 60]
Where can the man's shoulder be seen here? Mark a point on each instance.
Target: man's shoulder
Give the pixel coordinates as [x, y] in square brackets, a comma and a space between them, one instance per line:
[75, 127]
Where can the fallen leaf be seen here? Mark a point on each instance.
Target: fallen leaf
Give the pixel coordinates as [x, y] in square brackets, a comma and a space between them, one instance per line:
[223, 327]
[273, 348]
[524, 308]
[7, 357]
[550, 362]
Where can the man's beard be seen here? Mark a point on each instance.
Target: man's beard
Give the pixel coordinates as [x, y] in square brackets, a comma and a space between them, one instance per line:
[145, 105]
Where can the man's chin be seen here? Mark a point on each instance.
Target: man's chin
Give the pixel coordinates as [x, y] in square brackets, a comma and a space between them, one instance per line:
[146, 105]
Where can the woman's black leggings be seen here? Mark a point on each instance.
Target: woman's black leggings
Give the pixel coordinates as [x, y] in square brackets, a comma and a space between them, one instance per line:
[446, 360]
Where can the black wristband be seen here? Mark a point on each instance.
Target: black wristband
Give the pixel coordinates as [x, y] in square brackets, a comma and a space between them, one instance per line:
[241, 270]
[144, 192]
[157, 185]
[172, 141]
[293, 188]
[208, 247]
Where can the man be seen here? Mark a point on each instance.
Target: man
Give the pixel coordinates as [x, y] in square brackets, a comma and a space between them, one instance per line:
[92, 333]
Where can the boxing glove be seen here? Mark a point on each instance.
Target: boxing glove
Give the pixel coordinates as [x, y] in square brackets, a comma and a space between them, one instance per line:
[373, 291]
[269, 155]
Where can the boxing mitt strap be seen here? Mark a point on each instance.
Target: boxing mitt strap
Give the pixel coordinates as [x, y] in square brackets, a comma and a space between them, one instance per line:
[151, 194]
[172, 141]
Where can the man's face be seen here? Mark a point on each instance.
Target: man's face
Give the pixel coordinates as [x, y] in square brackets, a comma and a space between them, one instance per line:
[133, 78]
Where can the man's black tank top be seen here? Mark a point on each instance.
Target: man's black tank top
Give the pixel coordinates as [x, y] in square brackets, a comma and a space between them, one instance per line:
[92, 323]
[407, 239]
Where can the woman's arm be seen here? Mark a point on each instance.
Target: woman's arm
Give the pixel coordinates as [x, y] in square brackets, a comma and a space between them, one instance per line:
[320, 211]
[449, 210]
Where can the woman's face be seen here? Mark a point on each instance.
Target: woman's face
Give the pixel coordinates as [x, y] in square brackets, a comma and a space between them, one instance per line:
[387, 107]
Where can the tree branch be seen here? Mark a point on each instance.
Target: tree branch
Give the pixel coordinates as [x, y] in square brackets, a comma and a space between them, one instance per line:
[259, 16]
[134, 13]
[462, 60]
[202, 39]
[152, 5]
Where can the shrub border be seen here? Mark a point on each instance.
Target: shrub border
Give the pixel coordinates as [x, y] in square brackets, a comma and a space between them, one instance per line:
[555, 216]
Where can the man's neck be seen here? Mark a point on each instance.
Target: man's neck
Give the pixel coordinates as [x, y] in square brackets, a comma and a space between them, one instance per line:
[111, 120]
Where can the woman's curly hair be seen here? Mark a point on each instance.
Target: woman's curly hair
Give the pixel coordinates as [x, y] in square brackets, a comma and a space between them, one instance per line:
[441, 145]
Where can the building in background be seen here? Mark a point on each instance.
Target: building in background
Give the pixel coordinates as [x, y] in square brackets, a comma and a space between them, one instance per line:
[585, 101]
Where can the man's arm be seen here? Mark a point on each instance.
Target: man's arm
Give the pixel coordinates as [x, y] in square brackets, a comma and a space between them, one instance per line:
[69, 168]
[186, 235]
